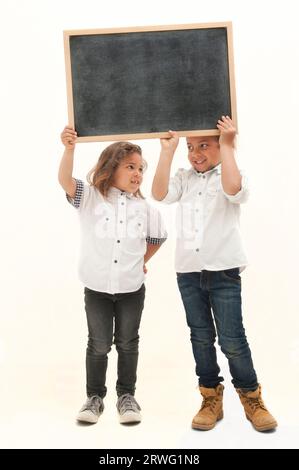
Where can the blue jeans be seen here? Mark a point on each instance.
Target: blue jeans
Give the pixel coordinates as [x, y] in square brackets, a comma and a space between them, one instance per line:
[112, 318]
[212, 301]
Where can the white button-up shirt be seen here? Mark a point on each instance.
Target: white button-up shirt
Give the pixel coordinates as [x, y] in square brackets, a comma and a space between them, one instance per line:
[114, 236]
[208, 228]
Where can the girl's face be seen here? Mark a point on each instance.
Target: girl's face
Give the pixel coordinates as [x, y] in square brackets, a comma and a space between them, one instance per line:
[203, 153]
[129, 174]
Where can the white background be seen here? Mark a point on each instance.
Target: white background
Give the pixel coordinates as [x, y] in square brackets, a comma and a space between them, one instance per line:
[43, 331]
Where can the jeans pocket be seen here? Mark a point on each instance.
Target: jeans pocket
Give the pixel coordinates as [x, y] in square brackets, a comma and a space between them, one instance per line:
[232, 274]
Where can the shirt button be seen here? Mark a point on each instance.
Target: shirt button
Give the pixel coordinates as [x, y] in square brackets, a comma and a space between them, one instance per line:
[118, 241]
[120, 221]
[107, 218]
[199, 193]
[197, 249]
[122, 203]
[115, 261]
[203, 176]
[196, 210]
[196, 230]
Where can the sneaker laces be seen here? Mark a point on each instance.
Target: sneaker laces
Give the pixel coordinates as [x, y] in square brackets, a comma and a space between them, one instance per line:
[93, 404]
[127, 402]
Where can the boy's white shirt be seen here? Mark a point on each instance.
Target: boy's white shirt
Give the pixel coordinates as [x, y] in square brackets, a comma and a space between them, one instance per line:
[207, 221]
[114, 235]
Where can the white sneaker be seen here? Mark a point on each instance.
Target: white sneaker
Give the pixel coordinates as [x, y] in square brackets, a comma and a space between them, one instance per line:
[128, 409]
[91, 410]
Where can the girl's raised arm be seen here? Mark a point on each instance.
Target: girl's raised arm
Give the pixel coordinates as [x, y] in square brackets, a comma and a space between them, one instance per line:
[65, 173]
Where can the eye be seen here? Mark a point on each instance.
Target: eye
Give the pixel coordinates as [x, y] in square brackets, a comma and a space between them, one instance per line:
[190, 148]
[141, 170]
[203, 146]
[131, 167]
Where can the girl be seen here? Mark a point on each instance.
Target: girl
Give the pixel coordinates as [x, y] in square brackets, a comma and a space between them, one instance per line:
[120, 232]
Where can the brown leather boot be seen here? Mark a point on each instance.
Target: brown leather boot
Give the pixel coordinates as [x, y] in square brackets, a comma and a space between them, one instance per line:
[255, 410]
[211, 409]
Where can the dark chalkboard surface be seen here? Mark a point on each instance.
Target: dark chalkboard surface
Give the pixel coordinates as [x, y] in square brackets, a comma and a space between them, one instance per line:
[140, 82]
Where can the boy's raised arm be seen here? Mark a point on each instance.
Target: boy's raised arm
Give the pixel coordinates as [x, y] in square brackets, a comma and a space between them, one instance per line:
[65, 173]
[230, 174]
[161, 178]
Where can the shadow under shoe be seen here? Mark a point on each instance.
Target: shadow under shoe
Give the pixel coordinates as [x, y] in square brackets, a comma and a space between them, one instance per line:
[91, 410]
[211, 409]
[256, 411]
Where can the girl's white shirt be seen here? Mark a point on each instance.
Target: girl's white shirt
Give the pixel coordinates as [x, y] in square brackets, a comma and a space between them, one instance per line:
[114, 234]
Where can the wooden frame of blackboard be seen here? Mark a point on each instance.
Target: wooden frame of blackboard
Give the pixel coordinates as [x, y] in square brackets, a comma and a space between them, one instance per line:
[146, 135]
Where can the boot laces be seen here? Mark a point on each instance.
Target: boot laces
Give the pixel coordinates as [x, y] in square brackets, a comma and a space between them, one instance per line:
[256, 403]
[209, 402]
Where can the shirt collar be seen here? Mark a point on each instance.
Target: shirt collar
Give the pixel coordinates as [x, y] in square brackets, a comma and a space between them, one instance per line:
[115, 192]
[216, 169]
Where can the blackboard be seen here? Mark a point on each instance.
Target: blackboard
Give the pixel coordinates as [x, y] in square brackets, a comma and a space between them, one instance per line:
[136, 83]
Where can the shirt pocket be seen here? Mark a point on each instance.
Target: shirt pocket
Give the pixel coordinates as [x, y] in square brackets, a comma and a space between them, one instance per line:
[138, 226]
[141, 227]
[215, 196]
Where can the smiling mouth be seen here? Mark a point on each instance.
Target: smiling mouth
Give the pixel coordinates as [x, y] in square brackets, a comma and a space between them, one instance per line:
[199, 162]
[135, 182]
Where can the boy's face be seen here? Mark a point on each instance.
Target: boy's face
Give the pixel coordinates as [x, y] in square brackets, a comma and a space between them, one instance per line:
[129, 174]
[203, 153]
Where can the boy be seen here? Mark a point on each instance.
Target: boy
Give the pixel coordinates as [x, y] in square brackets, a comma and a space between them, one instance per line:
[209, 258]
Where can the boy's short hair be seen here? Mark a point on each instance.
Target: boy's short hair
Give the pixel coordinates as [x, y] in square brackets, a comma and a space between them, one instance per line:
[213, 137]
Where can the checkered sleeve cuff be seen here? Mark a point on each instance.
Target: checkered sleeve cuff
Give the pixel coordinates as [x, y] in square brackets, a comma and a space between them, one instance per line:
[76, 201]
[155, 241]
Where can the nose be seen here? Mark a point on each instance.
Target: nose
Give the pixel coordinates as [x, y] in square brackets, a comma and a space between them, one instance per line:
[199, 150]
[197, 153]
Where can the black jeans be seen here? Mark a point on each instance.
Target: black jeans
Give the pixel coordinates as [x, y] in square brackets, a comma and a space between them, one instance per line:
[111, 315]
[218, 292]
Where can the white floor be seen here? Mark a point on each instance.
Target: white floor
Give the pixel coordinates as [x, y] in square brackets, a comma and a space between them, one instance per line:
[42, 414]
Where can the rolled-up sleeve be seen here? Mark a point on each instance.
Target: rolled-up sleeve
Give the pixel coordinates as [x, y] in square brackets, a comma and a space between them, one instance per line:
[174, 188]
[81, 195]
[241, 196]
[156, 231]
